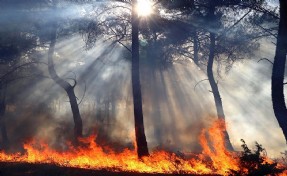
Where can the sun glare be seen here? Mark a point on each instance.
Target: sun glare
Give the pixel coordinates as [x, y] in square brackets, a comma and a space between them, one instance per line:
[144, 7]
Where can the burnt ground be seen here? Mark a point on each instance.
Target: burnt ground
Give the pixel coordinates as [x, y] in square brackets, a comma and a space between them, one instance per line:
[26, 169]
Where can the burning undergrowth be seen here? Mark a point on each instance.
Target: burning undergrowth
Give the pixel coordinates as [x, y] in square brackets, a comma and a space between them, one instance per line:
[214, 158]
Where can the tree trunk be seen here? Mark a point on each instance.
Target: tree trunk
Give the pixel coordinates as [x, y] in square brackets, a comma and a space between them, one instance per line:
[78, 128]
[278, 71]
[142, 148]
[213, 84]
[4, 135]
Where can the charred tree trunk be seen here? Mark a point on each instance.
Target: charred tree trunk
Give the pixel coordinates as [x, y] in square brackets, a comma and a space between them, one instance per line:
[278, 71]
[4, 135]
[78, 128]
[212, 82]
[142, 148]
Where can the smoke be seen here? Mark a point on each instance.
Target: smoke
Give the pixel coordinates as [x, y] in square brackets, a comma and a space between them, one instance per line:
[246, 94]
[174, 115]
[38, 108]
[175, 111]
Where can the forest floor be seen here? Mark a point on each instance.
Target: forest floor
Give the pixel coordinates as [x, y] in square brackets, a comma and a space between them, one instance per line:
[26, 169]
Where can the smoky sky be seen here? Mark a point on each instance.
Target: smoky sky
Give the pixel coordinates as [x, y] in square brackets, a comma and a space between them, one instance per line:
[175, 111]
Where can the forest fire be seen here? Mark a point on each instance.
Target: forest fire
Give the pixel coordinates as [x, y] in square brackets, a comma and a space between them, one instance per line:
[214, 159]
[159, 68]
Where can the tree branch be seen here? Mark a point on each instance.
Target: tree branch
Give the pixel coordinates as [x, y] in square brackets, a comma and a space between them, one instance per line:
[20, 66]
[267, 30]
[200, 82]
[238, 21]
[85, 89]
[266, 60]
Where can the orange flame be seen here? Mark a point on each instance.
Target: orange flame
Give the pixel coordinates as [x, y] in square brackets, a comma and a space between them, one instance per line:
[214, 159]
[222, 160]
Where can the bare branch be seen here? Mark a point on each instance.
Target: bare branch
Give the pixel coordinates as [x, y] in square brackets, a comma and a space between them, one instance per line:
[238, 21]
[85, 89]
[73, 79]
[20, 66]
[125, 46]
[27, 76]
[267, 30]
[263, 10]
[266, 60]
[199, 82]
[75, 82]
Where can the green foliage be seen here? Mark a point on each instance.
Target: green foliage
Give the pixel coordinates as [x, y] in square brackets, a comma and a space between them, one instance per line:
[253, 163]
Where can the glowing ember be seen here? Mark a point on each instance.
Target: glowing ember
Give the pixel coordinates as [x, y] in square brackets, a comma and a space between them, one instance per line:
[215, 159]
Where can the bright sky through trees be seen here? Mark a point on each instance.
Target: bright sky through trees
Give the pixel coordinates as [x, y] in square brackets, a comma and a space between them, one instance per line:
[144, 7]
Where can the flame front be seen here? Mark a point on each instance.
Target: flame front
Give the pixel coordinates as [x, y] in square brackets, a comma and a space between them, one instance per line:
[214, 159]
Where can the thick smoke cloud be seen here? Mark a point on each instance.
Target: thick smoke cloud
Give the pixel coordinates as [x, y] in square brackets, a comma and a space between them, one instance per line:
[175, 111]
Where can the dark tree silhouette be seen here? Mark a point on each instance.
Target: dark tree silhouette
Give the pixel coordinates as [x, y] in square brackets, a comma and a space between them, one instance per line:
[142, 148]
[4, 135]
[208, 21]
[213, 84]
[78, 128]
[213, 21]
[16, 43]
[118, 27]
[278, 71]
